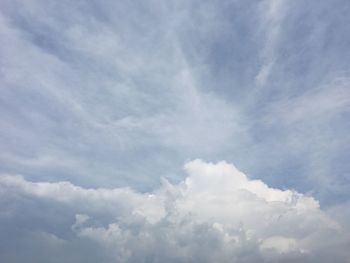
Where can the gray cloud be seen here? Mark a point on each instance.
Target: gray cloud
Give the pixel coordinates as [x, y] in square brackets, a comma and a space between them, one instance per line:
[215, 214]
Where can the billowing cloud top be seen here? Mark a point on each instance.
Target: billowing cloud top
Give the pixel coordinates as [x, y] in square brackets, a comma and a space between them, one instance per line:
[217, 214]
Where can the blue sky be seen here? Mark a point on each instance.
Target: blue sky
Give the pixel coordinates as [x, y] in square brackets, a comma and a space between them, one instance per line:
[124, 94]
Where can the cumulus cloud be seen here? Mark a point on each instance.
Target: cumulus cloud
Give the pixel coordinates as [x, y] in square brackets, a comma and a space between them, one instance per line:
[216, 214]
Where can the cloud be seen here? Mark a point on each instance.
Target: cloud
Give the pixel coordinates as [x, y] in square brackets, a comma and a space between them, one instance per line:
[216, 214]
[102, 84]
[321, 104]
[121, 93]
[272, 13]
[94, 84]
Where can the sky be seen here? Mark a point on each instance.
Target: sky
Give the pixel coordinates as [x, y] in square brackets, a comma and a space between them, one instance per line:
[174, 131]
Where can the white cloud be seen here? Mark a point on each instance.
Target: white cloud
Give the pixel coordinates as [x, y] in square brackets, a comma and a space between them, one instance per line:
[263, 74]
[272, 13]
[217, 214]
[280, 244]
[320, 104]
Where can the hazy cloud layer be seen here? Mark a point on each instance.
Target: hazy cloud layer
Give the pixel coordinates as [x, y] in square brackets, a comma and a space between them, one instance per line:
[132, 90]
[216, 214]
